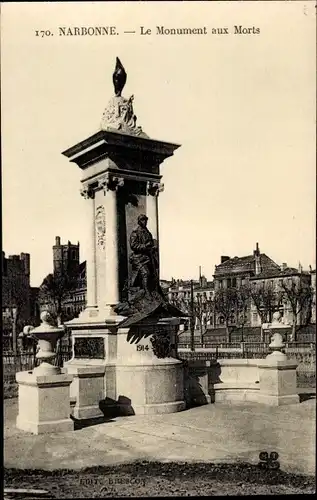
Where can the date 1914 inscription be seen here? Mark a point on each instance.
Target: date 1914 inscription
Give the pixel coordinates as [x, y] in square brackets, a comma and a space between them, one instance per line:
[92, 348]
[142, 347]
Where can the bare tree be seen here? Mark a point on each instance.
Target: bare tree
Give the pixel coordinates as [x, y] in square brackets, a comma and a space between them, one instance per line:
[203, 309]
[226, 301]
[242, 306]
[53, 291]
[265, 300]
[298, 293]
[199, 311]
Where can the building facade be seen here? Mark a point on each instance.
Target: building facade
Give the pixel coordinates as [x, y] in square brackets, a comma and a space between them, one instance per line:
[234, 272]
[179, 294]
[275, 279]
[16, 291]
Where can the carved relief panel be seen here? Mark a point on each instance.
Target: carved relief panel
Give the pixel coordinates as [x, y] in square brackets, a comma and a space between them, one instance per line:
[100, 221]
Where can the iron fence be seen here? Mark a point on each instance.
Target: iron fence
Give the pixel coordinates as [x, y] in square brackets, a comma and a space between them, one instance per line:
[13, 363]
[27, 361]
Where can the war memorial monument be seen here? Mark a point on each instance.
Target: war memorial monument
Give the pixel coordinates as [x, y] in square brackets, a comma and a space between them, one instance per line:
[124, 340]
[124, 343]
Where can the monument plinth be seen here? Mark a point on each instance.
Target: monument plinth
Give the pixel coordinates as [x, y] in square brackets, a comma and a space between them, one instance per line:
[121, 182]
[44, 393]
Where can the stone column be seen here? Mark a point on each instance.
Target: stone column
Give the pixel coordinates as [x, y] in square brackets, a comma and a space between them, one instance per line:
[91, 294]
[153, 190]
[111, 185]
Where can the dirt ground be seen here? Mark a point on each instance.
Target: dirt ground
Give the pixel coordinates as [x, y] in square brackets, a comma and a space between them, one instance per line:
[144, 479]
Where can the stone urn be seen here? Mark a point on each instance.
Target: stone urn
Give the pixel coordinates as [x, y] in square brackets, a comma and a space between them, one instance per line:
[47, 335]
[276, 346]
[277, 320]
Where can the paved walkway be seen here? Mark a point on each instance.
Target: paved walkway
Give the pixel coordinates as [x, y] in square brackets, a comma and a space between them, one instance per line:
[211, 433]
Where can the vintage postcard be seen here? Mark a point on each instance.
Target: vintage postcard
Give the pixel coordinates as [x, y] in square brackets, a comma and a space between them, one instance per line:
[158, 260]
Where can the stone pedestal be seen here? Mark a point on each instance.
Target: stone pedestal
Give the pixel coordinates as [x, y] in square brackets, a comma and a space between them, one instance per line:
[277, 382]
[44, 395]
[277, 374]
[87, 390]
[44, 404]
[112, 373]
[120, 180]
[147, 383]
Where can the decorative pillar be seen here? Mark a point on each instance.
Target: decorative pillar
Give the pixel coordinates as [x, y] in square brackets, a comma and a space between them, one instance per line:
[152, 190]
[110, 185]
[91, 294]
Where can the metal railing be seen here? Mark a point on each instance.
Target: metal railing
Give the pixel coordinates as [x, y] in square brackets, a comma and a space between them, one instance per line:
[296, 350]
[27, 361]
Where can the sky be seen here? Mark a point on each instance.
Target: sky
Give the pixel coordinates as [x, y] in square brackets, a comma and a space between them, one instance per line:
[241, 106]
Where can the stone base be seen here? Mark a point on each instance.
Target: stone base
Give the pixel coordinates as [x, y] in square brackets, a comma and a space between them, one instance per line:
[159, 408]
[278, 381]
[87, 412]
[44, 403]
[87, 389]
[236, 392]
[153, 387]
[94, 316]
[54, 426]
[124, 377]
[269, 399]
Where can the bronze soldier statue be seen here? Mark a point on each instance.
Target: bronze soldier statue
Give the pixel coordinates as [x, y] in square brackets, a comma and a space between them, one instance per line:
[144, 259]
[145, 295]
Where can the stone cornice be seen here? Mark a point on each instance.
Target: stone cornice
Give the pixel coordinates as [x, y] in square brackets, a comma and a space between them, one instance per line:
[103, 143]
[125, 174]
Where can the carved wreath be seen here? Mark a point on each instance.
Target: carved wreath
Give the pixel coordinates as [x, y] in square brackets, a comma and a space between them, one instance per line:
[161, 344]
[101, 225]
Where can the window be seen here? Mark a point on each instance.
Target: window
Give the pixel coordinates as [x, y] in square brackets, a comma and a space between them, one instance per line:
[234, 282]
[221, 320]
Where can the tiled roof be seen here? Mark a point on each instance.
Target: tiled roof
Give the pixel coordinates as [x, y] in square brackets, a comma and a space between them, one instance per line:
[247, 262]
[275, 273]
